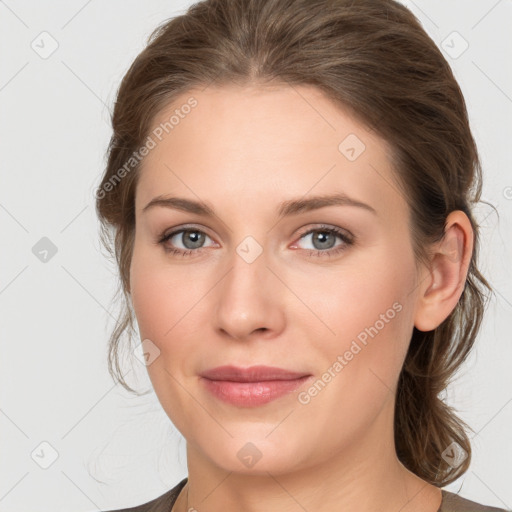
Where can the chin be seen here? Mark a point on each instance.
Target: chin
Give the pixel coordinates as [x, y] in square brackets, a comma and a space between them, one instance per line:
[258, 456]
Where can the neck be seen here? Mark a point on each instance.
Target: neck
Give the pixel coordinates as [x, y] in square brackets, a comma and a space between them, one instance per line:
[364, 475]
[410, 494]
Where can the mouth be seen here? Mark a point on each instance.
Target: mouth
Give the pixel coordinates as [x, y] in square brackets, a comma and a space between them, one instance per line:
[252, 374]
[254, 386]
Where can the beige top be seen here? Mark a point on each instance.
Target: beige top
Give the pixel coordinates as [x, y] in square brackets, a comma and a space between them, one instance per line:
[450, 502]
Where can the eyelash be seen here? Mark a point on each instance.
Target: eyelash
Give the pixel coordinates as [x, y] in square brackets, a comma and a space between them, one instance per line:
[347, 239]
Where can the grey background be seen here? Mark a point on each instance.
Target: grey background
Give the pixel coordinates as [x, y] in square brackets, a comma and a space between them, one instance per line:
[113, 449]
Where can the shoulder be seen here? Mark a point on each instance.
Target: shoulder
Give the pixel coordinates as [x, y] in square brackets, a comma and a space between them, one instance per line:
[454, 503]
[161, 504]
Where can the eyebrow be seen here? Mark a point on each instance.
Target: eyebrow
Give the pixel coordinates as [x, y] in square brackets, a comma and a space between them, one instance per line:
[287, 208]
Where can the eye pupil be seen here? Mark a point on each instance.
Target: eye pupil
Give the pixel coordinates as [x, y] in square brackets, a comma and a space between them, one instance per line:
[196, 236]
[321, 236]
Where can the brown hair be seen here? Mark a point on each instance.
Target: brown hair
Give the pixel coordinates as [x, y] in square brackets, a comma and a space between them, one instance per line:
[373, 58]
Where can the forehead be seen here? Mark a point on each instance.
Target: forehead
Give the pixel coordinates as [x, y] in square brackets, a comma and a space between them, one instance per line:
[259, 145]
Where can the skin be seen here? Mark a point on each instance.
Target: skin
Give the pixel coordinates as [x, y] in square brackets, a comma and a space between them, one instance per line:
[245, 151]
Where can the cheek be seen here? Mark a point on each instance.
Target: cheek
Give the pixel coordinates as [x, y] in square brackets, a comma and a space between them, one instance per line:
[366, 313]
[168, 302]
[150, 301]
[163, 302]
[157, 295]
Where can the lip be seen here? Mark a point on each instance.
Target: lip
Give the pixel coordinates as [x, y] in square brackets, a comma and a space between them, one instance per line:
[252, 374]
[251, 387]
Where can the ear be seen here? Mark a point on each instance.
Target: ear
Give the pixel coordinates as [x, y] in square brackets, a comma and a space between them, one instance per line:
[442, 284]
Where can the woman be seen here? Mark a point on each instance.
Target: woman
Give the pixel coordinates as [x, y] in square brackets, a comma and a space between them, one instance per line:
[289, 189]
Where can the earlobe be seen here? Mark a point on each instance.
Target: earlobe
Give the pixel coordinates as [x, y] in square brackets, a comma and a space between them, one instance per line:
[444, 281]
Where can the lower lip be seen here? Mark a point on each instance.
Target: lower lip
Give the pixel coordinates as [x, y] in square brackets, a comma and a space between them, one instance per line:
[252, 394]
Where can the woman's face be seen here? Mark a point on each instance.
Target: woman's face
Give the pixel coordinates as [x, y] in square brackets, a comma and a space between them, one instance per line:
[248, 286]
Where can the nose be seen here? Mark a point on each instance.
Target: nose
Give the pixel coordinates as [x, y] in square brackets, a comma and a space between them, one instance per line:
[250, 299]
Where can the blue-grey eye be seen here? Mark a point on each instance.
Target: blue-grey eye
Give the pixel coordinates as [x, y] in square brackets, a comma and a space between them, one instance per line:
[323, 239]
[190, 238]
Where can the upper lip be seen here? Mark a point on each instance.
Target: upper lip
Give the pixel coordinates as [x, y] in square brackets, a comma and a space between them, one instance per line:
[251, 374]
